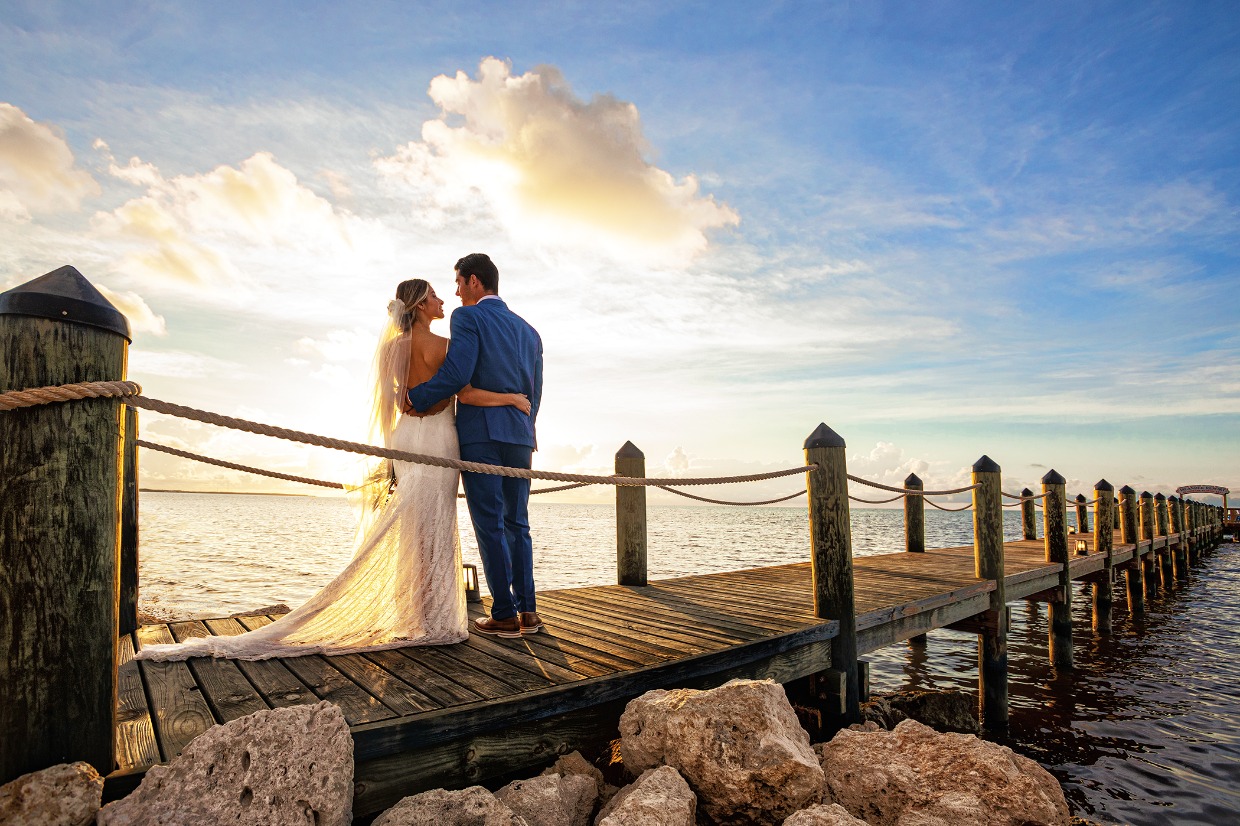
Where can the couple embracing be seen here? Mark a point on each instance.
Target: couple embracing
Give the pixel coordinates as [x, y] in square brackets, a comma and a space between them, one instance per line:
[476, 398]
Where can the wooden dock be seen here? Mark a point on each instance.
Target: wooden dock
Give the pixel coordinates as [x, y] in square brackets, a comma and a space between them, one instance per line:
[426, 717]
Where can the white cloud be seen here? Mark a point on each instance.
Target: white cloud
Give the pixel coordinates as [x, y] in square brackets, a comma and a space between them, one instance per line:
[37, 169]
[554, 168]
[142, 319]
[183, 229]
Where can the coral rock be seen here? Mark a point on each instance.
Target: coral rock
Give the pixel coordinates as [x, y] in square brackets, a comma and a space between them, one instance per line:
[660, 797]
[64, 795]
[824, 815]
[474, 806]
[915, 776]
[739, 746]
[284, 766]
[552, 799]
[940, 710]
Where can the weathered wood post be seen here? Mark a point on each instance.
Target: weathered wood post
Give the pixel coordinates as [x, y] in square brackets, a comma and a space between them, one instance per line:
[1179, 553]
[1128, 536]
[1028, 519]
[988, 564]
[630, 518]
[1189, 531]
[1115, 513]
[127, 618]
[1055, 529]
[1166, 574]
[830, 535]
[914, 516]
[1082, 514]
[1149, 562]
[60, 483]
[1104, 493]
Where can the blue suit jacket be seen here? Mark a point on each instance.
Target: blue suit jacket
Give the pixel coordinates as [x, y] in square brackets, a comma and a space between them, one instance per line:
[492, 348]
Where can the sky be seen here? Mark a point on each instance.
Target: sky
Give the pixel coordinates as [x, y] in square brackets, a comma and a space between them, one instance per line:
[945, 230]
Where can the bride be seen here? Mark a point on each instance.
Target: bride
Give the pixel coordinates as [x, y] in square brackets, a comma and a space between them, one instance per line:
[404, 585]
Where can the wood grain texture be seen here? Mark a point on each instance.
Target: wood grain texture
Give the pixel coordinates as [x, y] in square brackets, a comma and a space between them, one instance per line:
[630, 519]
[60, 482]
[914, 518]
[1055, 535]
[127, 613]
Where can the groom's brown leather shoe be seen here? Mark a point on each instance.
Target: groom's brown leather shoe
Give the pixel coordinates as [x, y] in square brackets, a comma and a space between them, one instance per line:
[530, 622]
[510, 627]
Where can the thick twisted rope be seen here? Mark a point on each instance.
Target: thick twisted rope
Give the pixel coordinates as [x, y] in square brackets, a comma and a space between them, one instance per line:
[726, 502]
[909, 491]
[185, 454]
[940, 507]
[1020, 498]
[34, 396]
[875, 501]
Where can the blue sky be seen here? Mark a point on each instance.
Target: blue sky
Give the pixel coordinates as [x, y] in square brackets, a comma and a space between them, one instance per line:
[945, 229]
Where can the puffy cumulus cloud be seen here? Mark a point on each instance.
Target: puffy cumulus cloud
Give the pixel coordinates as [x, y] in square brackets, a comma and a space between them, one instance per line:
[182, 229]
[37, 168]
[141, 318]
[551, 165]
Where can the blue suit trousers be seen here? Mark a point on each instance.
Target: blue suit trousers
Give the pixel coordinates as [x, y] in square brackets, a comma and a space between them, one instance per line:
[499, 510]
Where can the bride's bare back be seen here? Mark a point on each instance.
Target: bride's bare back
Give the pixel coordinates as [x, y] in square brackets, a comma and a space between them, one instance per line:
[427, 352]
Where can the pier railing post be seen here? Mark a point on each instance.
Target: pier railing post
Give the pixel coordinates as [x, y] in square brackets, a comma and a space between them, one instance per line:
[1128, 536]
[831, 563]
[60, 480]
[630, 518]
[1179, 553]
[988, 564]
[1149, 562]
[914, 516]
[1189, 531]
[1104, 502]
[1028, 518]
[1054, 525]
[1166, 574]
[1082, 514]
[127, 617]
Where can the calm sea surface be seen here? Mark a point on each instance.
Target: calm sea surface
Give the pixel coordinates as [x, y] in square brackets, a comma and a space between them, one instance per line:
[1144, 731]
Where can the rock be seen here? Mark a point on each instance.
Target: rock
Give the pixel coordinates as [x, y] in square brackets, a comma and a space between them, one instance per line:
[474, 806]
[879, 713]
[739, 746]
[575, 764]
[660, 797]
[940, 710]
[824, 815]
[284, 766]
[64, 795]
[914, 776]
[552, 799]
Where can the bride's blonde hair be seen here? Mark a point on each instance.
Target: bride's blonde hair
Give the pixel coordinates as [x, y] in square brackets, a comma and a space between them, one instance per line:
[411, 293]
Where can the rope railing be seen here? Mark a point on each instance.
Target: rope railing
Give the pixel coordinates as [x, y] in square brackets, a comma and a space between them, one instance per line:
[940, 507]
[875, 501]
[726, 502]
[908, 491]
[1020, 498]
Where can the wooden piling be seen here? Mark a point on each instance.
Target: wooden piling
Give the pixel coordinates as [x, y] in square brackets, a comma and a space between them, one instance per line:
[127, 617]
[60, 483]
[1149, 562]
[1028, 519]
[831, 542]
[1082, 514]
[1189, 531]
[988, 564]
[1104, 494]
[1128, 536]
[1055, 530]
[1165, 571]
[1179, 552]
[914, 516]
[630, 518]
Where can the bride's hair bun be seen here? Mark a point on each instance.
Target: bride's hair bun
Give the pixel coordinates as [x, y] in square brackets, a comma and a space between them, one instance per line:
[409, 294]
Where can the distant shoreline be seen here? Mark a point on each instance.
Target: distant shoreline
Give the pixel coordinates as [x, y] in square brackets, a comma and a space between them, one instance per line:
[229, 492]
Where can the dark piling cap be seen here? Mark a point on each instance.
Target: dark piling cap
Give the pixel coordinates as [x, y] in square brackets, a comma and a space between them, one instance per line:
[911, 481]
[1052, 477]
[1103, 484]
[1126, 489]
[1026, 492]
[65, 295]
[1080, 498]
[629, 451]
[1172, 498]
[1145, 494]
[1159, 497]
[824, 436]
[985, 465]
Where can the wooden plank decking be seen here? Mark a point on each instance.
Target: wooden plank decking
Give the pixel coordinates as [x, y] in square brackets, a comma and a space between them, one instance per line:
[419, 715]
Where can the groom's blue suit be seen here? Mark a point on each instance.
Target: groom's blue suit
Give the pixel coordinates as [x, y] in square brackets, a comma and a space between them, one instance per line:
[493, 348]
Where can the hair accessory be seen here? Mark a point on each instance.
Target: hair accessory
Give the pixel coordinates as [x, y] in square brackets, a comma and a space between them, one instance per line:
[396, 309]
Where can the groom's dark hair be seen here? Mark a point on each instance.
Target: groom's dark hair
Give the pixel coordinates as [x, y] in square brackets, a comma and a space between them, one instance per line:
[481, 265]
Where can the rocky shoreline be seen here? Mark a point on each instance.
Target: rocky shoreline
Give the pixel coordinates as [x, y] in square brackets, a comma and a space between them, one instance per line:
[731, 756]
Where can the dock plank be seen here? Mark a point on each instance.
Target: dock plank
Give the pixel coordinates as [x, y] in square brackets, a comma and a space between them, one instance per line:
[178, 710]
[135, 732]
[224, 687]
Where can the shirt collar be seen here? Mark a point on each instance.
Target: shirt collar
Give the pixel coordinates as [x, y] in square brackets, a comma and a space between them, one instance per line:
[485, 297]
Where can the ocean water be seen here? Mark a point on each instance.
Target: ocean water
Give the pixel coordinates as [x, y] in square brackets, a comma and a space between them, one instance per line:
[1142, 731]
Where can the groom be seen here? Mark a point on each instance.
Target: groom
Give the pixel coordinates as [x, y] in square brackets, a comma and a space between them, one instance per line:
[493, 348]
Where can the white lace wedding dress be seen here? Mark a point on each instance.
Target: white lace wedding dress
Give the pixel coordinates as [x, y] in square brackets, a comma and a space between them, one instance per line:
[404, 585]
